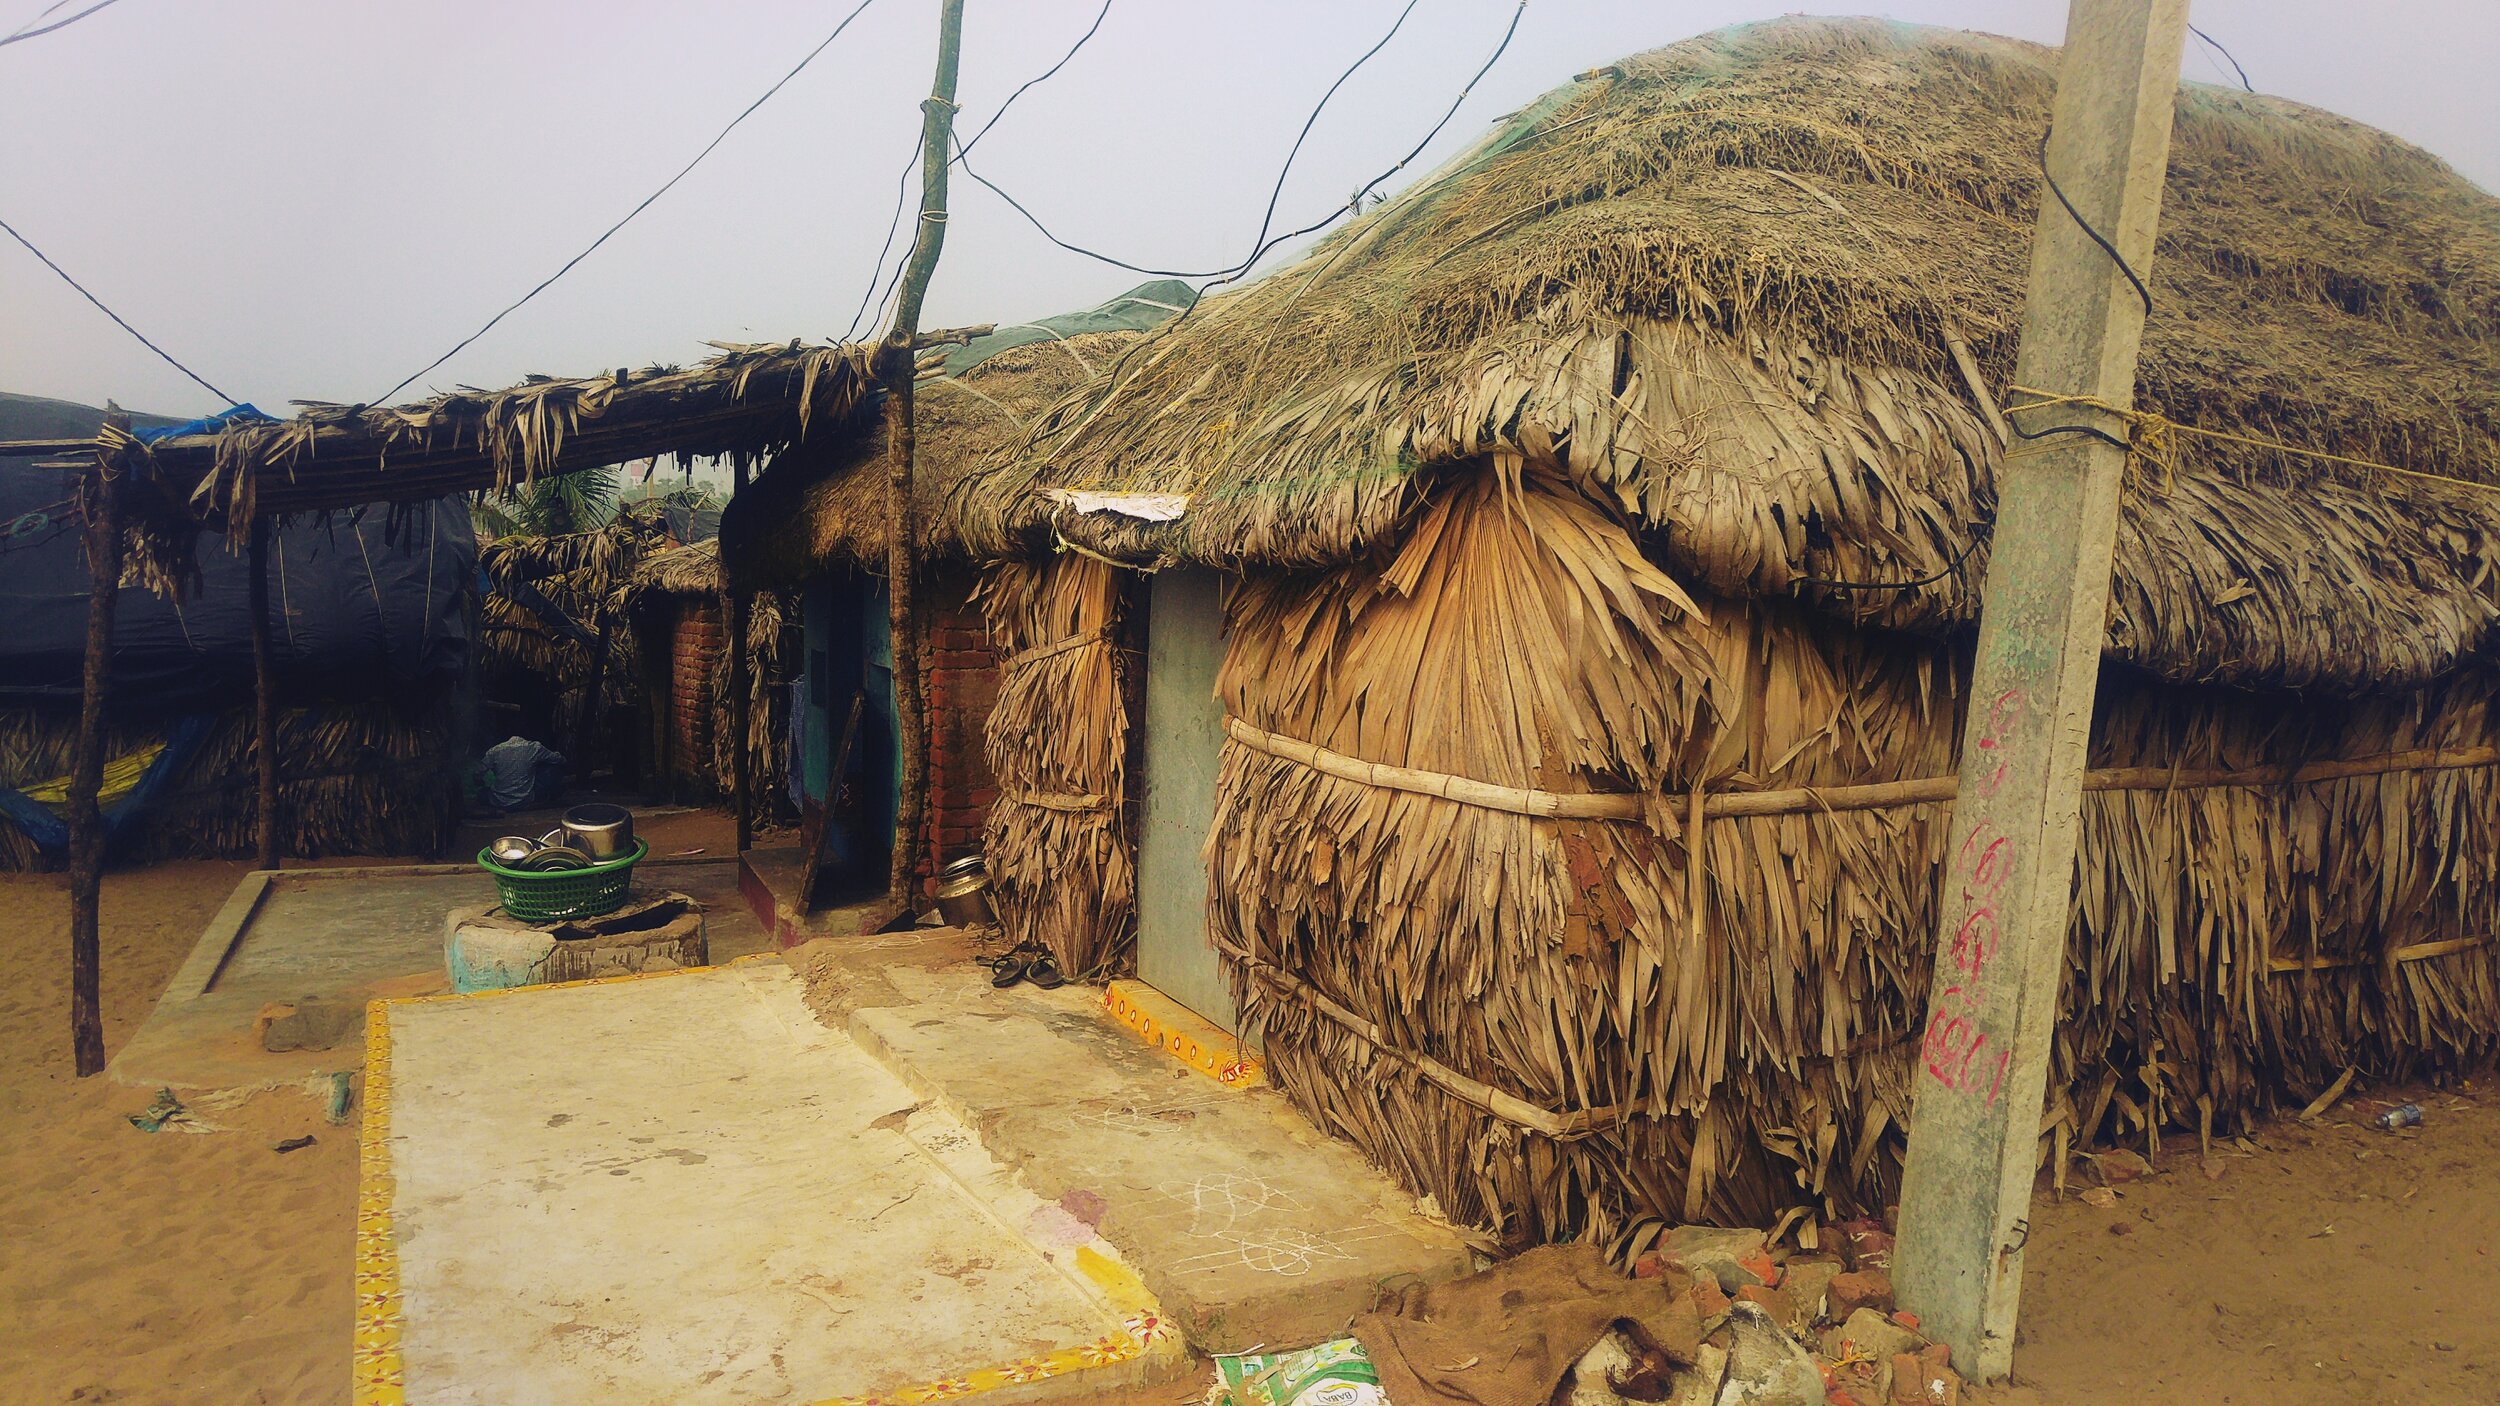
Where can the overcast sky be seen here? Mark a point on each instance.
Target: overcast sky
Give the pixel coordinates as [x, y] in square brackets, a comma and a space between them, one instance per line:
[311, 199]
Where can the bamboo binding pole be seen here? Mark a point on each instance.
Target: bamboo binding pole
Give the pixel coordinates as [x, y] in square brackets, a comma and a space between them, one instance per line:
[895, 372]
[1792, 800]
[264, 703]
[733, 620]
[86, 772]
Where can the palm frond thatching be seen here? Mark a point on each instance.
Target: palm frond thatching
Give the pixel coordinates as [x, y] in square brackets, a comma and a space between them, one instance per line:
[825, 502]
[353, 778]
[1061, 840]
[1741, 1034]
[1725, 284]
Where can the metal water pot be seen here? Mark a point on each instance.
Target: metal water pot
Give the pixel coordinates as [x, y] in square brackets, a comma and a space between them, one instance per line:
[598, 829]
[963, 893]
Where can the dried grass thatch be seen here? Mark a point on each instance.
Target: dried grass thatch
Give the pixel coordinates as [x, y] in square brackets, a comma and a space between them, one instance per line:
[1723, 284]
[825, 502]
[353, 778]
[1061, 840]
[690, 570]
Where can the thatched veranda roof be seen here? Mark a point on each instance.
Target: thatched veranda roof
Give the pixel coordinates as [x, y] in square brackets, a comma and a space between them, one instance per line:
[747, 402]
[826, 501]
[1721, 284]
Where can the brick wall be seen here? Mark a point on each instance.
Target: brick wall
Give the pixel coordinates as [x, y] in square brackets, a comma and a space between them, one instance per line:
[694, 650]
[962, 687]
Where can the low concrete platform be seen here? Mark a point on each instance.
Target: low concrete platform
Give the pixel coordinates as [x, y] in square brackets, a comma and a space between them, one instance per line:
[768, 880]
[683, 1188]
[1245, 1223]
[346, 934]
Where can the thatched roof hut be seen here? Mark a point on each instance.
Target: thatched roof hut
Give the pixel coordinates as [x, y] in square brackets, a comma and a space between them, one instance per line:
[818, 519]
[1611, 509]
[824, 501]
[1723, 283]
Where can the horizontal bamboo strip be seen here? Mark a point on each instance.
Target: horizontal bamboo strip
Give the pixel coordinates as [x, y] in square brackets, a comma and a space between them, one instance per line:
[1054, 800]
[2419, 952]
[1510, 1108]
[1566, 805]
[1518, 800]
[1040, 652]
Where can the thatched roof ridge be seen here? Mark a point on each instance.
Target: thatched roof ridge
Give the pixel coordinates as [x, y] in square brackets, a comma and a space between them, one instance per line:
[826, 501]
[747, 402]
[690, 570]
[1721, 284]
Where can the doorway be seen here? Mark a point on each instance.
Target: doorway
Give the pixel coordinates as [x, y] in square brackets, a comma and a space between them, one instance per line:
[1184, 741]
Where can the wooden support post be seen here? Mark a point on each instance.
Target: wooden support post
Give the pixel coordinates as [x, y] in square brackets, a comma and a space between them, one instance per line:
[86, 771]
[1982, 1067]
[733, 621]
[264, 701]
[895, 371]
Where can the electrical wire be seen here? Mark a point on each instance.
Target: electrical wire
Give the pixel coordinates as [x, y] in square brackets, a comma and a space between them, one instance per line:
[2086, 226]
[1263, 243]
[1979, 531]
[2216, 45]
[664, 189]
[868, 294]
[28, 31]
[117, 317]
[1198, 294]
[902, 183]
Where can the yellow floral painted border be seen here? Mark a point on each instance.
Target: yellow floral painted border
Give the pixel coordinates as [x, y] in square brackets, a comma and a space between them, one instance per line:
[1223, 1061]
[380, 1378]
[380, 1371]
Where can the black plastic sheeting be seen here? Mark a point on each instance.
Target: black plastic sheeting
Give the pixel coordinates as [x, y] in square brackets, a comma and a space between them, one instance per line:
[363, 605]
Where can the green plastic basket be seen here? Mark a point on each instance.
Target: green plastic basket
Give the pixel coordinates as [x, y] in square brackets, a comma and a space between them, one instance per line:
[558, 894]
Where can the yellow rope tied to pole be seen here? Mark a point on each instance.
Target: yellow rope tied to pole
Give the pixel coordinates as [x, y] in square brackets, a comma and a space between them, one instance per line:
[2150, 435]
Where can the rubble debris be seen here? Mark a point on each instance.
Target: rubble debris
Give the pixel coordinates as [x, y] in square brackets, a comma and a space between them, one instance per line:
[2118, 1166]
[1859, 1288]
[1736, 1258]
[1765, 1366]
[1808, 1283]
[308, 1024]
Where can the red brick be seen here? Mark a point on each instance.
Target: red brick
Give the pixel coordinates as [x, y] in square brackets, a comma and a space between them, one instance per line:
[1860, 1288]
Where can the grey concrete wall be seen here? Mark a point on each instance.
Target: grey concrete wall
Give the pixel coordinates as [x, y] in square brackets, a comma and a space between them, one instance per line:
[1184, 739]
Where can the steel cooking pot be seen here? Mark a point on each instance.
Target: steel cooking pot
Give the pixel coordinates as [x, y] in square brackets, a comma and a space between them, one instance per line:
[600, 830]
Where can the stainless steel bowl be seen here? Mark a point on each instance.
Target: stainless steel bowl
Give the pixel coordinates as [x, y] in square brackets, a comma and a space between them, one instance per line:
[512, 849]
[550, 858]
[599, 830]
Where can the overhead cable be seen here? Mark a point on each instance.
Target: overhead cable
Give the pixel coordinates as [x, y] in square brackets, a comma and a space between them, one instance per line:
[28, 30]
[902, 183]
[117, 317]
[748, 111]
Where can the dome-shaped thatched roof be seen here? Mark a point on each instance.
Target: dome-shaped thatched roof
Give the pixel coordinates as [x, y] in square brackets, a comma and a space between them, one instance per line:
[1723, 283]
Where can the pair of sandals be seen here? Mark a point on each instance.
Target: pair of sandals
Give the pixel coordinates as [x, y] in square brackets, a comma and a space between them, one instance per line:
[1026, 961]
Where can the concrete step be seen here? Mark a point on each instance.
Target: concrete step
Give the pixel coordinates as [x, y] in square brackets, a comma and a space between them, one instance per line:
[1247, 1224]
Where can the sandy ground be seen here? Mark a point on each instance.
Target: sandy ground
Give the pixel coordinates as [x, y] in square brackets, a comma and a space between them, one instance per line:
[2332, 1264]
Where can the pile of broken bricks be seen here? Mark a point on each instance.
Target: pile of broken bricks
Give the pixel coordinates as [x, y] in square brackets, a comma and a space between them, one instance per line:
[1799, 1327]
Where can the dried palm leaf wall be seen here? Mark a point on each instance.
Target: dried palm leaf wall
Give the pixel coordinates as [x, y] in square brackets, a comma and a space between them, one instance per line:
[1060, 843]
[360, 778]
[1552, 1021]
[768, 706]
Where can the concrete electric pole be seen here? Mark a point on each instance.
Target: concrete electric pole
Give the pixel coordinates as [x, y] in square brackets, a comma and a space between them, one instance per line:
[1982, 1068]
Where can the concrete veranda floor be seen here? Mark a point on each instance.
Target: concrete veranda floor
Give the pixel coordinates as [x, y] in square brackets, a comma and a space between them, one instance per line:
[684, 1189]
